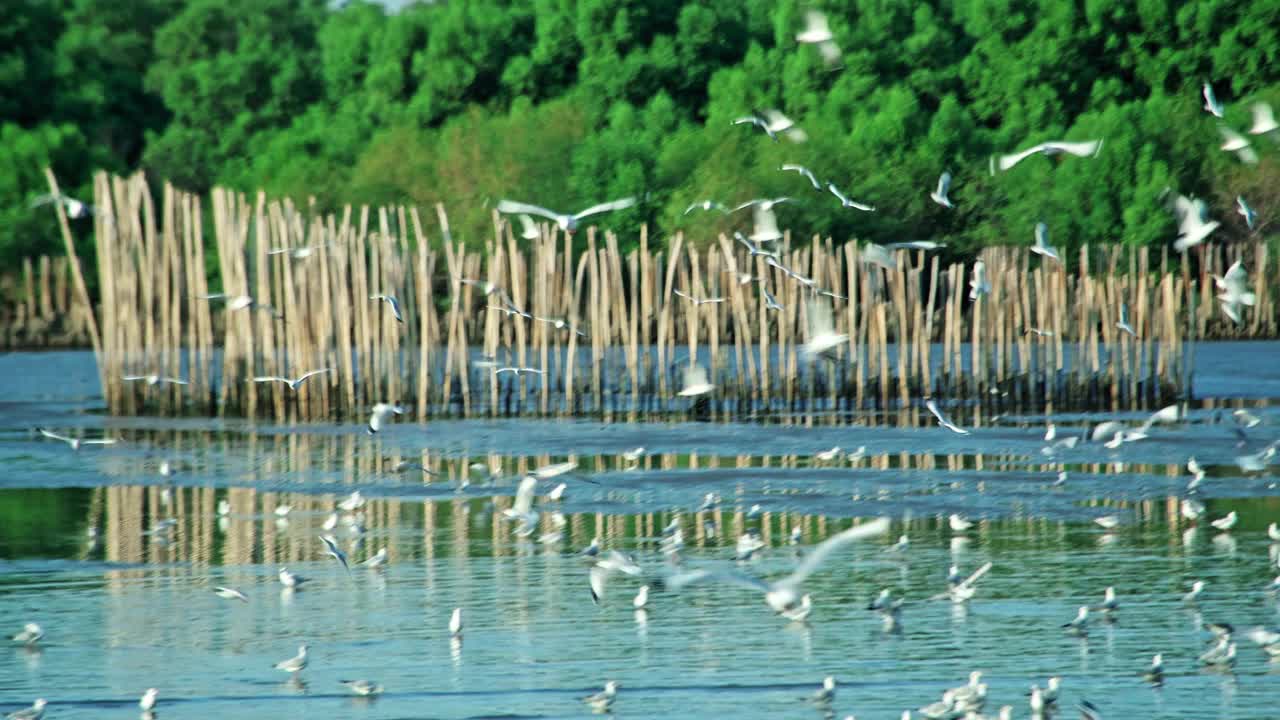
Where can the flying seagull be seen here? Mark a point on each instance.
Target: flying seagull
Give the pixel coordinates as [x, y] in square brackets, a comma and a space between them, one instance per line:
[978, 285]
[298, 253]
[940, 194]
[1235, 291]
[1242, 207]
[1233, 141]
[784, 595]
[1123, 322]
[846, 202]
[335, 552]
[774, 123]
[916, 245]
[528, 228]
[816, 32]
[76, 443]
[696, 382]
[568, 223]
[943, 420]
[698, 302]
[765, 227]
[75, 208]
[154, 380]
[518, 371]
[1048, 149]
[391, 301]
[707, 206]
[230, 594]
[381, 416]
[1264, 119]
[806, 172]
[823, 338]
[295, 664]
[522, 509]
[1194, 226]
[1211, 103]
[295, 383]
[878, 255]
[243, 302]
[1042, 246]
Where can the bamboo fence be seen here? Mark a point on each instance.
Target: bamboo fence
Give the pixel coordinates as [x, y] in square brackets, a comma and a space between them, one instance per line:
[622, 336]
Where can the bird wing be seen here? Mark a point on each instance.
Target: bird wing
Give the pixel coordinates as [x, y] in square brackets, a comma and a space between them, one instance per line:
[823, 550]
[511, 206]
[1007, 161]
[766, 225]
[134, 377]
[680, 294]
[816, 24]
[529, 229]
[174, 381]
[678, 581]
[53, 435]
[272, 378]
[976, 576]
[1079, 149]
[937, 413]
[313, 372]
[836, 191]
[99, 441]
[1264, 119]
[524, 495]
[610, 206]
[805, 172]
[944, 184]
[1042, 235]
[819, 317]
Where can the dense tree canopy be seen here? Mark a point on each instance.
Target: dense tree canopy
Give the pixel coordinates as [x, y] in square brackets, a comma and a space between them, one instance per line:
[568, 102]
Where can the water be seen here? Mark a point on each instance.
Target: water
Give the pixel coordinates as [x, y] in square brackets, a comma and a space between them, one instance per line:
[129, 611]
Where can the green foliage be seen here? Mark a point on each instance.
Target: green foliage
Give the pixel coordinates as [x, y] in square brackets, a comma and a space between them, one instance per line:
[566, 103]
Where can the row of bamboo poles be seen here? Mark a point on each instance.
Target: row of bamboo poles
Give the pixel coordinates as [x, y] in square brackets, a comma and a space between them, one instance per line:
[38, 309]
[622, 334]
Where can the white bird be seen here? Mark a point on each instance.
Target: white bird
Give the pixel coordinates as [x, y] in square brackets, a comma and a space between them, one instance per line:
[903, 543]
[391, 302]
[826, 693]
[764, 225]
[224, 507]
[1109, 602]
[943, 709]
[290, 580]
[1197, 588]
[916, 245]
[75, 208]
[1108, 522]
[641, 600]
[1080, 624]
[1264, 119]
[823, 339]
[695, 382]
[518, 371]
[148, 701]
[30, 634]
[154, 380]
[1233, 141]
[1194, 225]
[600, 571]
[1267, 640]
[603, 700]
[749, 543]
[455, 622]
[785, 594]
[1123, 323]
[335, 552]
[560, 324]
[943, 420]
[294, 383]
[298, 253]
[816, 32]
[528, 228]
[1273, 532]
[567, 223]
[76, 443]
[364, 688]
[1191, 509]
[1042, 246]
[352, 502]
[878, 255]
[774, 123]
[698, 302]
[1225, 523]
[1048, 149]
[557, 492]
[1155, 673]
[244, 302]
[1235, 291]
[378, 560]
[230, 594]
[487, 288]
[1221, 654]
[35, 712]
[846, 202]
[283, 510]
[295, 664]
[978, 285]
[707, 206]
[1243, 209]
[1211, 103]
[1256, 462]
[522, 509]
[939, 195]
[381, 416]
[958, 523]
[806, 172]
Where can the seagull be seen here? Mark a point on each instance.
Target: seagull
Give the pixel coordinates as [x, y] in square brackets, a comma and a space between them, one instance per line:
[1048, 149]
[522, 508]
[764, 225]
[1225, 523]
[1235, 291]
[30, 635]
[698, 302]
[826, 693]
[940, 194]
[231, 594]
[600, 571]
[1194, 226]
[1191, 509]
[1273, 532]
[1109, 602]
[455, 622]
[1079, 625]
[1233, 141]
[243, 302]
[916, 245]
[76, 443]
[291, 581]
[528, 228]
[518, 371]
[770, 302]
[806, 172]
[816, 32]
[295, 383]
[603, 700]
[944, 708]
[784, 594]
[943, 420]
[381, 416]
[567, 223]
[1108, 522]
[774, 123]
[546, 472]
[1222, 654]
[972, 696]
[378, 560]
[1042, 246]
[753, 249]
[823, 338]
[748, 544]
[846, 202]
[641, 600]
[1211, 103]
[695, 382]
[903, 543]
[298, 253]
[878, 255]
[35, 712]
[958, 523]
[363, 688]
[560, 324]
[707, 206]
[335, 552]
[148, 701]
[154, 380]
[393, 303]
[1257, 462]
[1264, 119]
[75, 208]
[1123, 323]
[1242, 208]
[1155, 673]
[1267, 640]
[295, 664]
[1197, 588]
[978, 284]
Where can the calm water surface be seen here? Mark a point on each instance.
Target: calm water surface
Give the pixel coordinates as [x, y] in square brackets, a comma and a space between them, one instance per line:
[124, 611]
